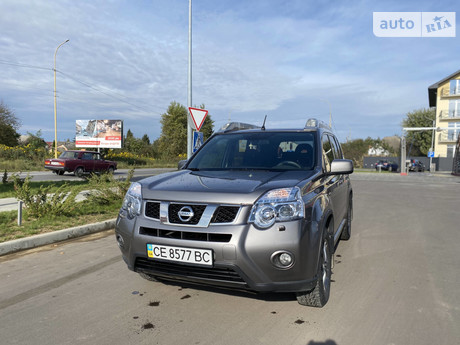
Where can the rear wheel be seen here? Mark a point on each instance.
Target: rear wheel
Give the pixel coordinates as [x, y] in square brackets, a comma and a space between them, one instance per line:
[79, 172]
[319, 296]
[110, 170]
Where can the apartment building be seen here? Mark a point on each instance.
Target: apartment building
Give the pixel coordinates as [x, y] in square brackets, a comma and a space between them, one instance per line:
[445, 96]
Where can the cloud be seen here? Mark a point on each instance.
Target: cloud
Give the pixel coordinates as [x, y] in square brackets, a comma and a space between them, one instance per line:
[128, 60]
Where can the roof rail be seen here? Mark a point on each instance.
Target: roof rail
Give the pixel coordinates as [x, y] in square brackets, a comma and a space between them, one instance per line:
[317, 123]
[236, 126]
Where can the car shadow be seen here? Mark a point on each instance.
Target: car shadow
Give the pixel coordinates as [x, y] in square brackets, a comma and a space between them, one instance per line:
[263, 296]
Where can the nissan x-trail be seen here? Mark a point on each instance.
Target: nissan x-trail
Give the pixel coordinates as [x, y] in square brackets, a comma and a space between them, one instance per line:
[254, 208]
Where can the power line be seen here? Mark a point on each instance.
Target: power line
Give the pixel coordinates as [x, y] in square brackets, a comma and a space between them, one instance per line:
[10, 63]
[3, 62]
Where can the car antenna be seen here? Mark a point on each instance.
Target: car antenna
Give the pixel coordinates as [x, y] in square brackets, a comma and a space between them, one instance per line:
[263, 125]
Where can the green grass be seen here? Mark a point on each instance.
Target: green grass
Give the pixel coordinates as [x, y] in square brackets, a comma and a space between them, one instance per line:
[86, 213]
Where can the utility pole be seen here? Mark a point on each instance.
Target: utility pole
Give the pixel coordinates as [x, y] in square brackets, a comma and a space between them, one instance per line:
[189, 97]
[55, 106]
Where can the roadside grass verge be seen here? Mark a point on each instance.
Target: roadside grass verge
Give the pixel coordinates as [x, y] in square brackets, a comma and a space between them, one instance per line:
[84, 213]
[45, 212]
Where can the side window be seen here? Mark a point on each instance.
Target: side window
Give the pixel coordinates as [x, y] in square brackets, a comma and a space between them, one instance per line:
[87, 156]
[328, 155]
[335, 147]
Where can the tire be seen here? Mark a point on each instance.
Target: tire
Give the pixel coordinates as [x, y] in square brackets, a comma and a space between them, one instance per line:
[390, 169]
[319, 296]
[110, 170]
[346, 232]
[60, 172]
[148, 277]
[79, 172]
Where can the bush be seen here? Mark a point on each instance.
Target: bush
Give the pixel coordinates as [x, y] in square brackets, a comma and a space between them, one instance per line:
[105, 189]
[41, 203]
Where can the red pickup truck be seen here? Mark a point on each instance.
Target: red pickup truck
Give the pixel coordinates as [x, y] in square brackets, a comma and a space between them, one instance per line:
[80, 162]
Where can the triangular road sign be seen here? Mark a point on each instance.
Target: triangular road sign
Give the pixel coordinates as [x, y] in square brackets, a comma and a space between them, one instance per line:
[198, 116]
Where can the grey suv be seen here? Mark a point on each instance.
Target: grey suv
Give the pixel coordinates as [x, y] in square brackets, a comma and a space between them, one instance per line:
[253, 209]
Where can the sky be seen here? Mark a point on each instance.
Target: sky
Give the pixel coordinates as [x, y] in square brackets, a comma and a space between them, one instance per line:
[288, 59]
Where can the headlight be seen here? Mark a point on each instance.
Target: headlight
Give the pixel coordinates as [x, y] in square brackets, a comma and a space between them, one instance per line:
[282, 204]
[133, 200]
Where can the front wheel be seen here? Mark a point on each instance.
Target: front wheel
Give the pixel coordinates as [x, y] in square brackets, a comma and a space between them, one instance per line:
[319, 296]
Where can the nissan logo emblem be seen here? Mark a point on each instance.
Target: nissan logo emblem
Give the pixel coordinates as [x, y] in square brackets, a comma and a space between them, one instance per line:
[185, 214]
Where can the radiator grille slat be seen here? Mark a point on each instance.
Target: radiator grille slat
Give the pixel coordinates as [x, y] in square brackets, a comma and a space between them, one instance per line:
[225, 276]
[185, 235]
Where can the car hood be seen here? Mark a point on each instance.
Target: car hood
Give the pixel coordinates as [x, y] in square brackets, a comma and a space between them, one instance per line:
[231, 187]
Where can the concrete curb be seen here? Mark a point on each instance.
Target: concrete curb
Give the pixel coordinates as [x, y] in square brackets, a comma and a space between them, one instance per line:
[55, 236]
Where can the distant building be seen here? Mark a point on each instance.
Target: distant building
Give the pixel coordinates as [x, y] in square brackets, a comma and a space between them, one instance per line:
[377, 151]
[445, 96]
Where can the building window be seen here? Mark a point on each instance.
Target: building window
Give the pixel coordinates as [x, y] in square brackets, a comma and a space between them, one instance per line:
[450, 151]
[454, 108]
[453, 131]
[454, 87]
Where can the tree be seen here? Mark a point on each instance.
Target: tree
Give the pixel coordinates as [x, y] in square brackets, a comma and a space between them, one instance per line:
[173, 138]
[419, 142]
[35, 140]
[358, 148]
[145, 139]
[9, 124]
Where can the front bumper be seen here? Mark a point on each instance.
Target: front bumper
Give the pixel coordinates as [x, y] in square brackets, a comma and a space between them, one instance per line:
[242, 253]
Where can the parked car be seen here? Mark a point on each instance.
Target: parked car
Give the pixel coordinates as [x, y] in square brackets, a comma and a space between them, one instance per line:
[386, 165]
[80, 163]
[253, 208]
[416, 165]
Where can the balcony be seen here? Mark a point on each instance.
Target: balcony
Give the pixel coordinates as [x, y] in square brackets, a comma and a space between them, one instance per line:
[450, 93]
[449, 137]
[446, 115]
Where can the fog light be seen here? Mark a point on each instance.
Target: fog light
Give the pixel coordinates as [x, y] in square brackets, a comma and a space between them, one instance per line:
[120, 241]
[285, 259]
[282, 259]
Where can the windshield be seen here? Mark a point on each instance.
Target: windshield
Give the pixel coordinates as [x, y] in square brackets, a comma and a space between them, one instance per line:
[257, 151]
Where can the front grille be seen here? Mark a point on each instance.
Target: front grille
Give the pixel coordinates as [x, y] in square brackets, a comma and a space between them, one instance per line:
[152, 209]
[225, 214]
[211, 275]
[175, 208]
[185, 235]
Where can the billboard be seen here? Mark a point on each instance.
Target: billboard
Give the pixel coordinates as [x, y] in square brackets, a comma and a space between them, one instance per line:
[99, 133]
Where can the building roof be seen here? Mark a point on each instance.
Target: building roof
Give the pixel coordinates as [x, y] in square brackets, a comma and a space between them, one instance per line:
[433, 89]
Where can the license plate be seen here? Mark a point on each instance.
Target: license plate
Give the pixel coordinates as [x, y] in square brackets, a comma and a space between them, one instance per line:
[180, 254]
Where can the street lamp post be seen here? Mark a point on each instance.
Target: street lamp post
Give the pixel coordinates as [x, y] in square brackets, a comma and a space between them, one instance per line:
[55, 108]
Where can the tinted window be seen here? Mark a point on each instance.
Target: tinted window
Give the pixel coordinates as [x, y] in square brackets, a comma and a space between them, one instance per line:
[335, 147]
[328, 154]
[259, 150]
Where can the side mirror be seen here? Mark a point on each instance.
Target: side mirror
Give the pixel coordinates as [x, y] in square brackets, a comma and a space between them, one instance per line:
[181, 164]
[341, 166]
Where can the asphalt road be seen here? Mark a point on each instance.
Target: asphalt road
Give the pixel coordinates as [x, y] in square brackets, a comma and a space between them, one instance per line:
[395, 282]
[37, 176]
